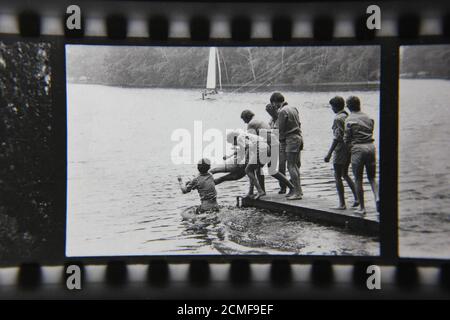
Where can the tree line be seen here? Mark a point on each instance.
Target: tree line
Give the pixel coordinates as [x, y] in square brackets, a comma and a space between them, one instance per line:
[245, 67]
[426, 61]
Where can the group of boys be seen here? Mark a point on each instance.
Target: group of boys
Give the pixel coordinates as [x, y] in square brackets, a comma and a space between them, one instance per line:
[279, 143]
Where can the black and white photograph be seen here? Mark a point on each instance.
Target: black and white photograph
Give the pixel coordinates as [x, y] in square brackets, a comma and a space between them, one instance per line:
[424, 169]
[222, 150]
[29, 229]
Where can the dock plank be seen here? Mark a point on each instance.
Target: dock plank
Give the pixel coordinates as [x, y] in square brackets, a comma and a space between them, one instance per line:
[319, 210]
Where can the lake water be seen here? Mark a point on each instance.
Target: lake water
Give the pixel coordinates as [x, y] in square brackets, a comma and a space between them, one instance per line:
[424, 199]
[123, 195]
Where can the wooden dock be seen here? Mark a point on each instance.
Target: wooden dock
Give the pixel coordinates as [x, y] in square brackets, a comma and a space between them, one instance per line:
[318, 211]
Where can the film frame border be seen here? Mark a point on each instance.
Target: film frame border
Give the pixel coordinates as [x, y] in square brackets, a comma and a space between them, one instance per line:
[227, 258]
[388, 255]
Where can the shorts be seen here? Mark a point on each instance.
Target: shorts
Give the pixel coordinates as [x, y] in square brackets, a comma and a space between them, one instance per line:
[341, 155]
[293, 143]
[286, 155]
[363, 155]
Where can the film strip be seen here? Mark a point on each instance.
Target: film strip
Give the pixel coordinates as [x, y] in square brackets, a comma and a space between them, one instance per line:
[270, 25]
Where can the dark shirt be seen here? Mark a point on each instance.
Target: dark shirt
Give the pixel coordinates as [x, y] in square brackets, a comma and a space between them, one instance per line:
[358, 129]
[204, 184]
[341, 150]
[288, 122]
[339, 126]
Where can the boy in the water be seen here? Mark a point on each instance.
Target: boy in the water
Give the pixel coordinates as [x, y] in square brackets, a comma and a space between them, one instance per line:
[204, 184]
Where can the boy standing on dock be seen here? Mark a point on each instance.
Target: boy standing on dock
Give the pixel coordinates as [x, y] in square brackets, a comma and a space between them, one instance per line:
[358, 136]
[273, 112]
[263, 130]
[341, 158]
[254, 126]
[291, 141]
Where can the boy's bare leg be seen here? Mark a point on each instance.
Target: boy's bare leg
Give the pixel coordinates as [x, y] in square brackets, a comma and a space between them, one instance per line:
[351, 184]
[232, 176]
[294, 172]
[338, 170]
[283, 180]
[219, 169]
[282, 170]
[371, 176]
[251, 189]
[227, 177]
[260, 178]
[250, 170]
[358, 170]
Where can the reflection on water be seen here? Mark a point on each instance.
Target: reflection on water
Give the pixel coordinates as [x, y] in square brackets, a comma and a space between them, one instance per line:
[123, 197]
[424, 168]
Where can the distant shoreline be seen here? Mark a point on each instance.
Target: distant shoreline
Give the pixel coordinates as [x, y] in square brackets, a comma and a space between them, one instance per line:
[406, 77]
[324, 87]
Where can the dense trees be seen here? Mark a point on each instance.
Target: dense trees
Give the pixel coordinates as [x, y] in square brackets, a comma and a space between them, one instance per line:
[427, 61]
[245, 67]
[26, 153]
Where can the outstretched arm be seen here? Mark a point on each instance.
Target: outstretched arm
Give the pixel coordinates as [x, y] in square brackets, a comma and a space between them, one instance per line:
[238, 153]
[226, 157]
[183, 187]
[330, 152]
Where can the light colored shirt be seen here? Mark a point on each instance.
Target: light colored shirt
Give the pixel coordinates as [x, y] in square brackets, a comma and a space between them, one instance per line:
[358, 128]
[248, 140]
[339, 126]
[288, 122]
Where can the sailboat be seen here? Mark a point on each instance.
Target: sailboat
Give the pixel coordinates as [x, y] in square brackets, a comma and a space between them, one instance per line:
[211, 79]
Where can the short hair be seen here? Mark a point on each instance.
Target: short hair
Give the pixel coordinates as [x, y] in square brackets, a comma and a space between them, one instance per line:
[247, 115]
[338, 102]
[204, 165]
[277, 97]
[353, 103]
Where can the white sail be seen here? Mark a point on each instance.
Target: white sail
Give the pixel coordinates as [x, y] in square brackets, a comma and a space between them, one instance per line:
[211, 78]
[220, 71]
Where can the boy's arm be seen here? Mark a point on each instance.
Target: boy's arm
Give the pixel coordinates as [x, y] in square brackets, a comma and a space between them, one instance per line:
[330, 152]
[348, 134]
[235, 151]
[338, 133]
[225, 157]
[184, 187]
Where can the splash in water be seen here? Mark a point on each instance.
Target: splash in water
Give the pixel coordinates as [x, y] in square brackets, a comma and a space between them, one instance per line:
[254, 231]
